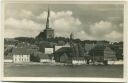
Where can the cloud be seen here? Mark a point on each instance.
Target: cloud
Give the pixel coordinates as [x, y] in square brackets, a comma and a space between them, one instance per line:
[104, 30]
[26, 14]
[83, 35]
[15, 27]
[19, 14]
[55, 15]
[115, 36]
[102, 27]
[63, 22]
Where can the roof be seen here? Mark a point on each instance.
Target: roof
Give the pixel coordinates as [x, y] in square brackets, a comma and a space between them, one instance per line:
[45, 44]
[18, 51]
[108, 49]
[27, 45]
[63, 49]
[44, 56]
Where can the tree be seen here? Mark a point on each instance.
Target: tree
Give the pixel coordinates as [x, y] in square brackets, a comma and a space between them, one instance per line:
[34, 58]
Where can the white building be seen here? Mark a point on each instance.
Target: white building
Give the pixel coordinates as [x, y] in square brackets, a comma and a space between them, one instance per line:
[21, 55]
[79, 60]
[119, 62]
[21, 58]
[48, 50]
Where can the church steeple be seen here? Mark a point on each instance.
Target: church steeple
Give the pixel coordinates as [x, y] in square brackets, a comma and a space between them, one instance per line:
[48, 32]
[48, 16]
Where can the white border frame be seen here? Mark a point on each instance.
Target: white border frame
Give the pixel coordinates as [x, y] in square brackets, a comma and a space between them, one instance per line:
[68, 79]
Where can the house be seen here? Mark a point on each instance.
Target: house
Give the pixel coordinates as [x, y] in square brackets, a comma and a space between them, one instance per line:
[63, 55]
[109, 54]
[64, 58]
[79, 60]
[20, 55]
[48, 50]
[45, 58]
[8, 49]
[8, 58]
[58, 47]
[103, 54]
[45, 44]
[97, 53]
[27, 46]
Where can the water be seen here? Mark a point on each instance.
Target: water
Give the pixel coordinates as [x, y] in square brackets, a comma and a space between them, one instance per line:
[112, 71]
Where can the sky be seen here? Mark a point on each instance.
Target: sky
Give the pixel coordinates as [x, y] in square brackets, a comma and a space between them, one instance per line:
[85, 21]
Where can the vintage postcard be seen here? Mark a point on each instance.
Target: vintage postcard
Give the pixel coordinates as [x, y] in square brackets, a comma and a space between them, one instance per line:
[63, 41]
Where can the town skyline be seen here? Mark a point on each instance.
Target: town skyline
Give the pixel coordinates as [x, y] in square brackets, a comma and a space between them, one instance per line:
[63, 40]
[66, 20]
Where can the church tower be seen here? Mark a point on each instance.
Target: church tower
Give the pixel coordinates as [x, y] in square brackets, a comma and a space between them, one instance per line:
[48, 33]
[71, 36]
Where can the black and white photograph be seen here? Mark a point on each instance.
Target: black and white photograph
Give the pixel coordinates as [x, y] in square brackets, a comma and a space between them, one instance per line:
[63, 39]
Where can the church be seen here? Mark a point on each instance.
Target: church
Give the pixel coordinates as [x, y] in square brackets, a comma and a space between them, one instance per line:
[48, 32]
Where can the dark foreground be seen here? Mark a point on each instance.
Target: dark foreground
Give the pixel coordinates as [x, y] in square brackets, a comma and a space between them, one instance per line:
[110, 71]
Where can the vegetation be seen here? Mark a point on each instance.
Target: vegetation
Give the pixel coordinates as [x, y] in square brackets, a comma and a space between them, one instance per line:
[26, 39]
[116, 46]
[34, 58]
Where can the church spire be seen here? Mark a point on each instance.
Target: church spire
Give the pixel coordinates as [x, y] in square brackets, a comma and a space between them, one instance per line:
[47, 23]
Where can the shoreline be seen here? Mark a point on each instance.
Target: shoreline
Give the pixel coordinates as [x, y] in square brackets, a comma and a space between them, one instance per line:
[59, 64]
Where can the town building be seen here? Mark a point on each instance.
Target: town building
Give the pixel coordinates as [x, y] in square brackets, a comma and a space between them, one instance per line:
[109, 54]
[45, 58]
[64, 58]
[49, 50]
[63, 55]
[102, 54]
[24, 52]
[20, 55]
[79, 60]
[8, 58]
[57, 47]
